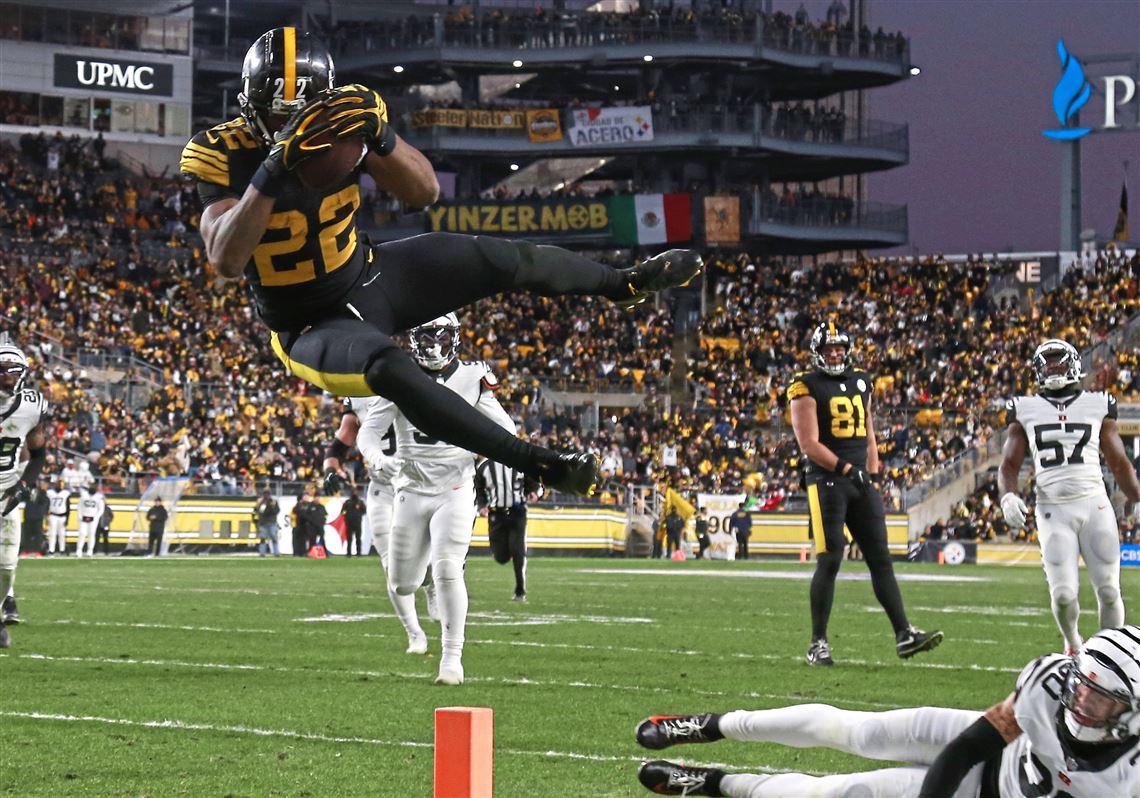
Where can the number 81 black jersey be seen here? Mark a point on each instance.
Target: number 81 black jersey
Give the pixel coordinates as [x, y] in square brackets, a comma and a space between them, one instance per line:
[308, 257]
[1064, 441]
[841, 410]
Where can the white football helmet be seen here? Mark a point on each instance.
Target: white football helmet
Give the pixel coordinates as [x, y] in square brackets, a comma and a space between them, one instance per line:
[1099, 696]
[1057, 365]
[13, 370]
[436, 343]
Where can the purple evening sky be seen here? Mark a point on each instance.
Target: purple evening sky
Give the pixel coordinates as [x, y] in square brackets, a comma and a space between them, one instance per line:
[981, 176]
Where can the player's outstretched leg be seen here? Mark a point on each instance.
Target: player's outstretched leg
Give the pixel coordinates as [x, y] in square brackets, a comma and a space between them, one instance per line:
[661, 731]
[668, 778]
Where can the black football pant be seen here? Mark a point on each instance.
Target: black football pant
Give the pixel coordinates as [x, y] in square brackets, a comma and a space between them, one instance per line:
[351, 535]
[350, 352]
[832, 502]
[154, 542]
[506, 530]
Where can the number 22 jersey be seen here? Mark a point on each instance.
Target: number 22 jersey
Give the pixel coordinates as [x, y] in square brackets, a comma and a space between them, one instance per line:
[1064, 441]
[309, 256]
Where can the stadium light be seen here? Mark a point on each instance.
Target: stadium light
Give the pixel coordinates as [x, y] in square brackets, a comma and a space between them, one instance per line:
[514, 167]
[647, 58]
[516, 63]
[397, 69]
[518, 85]
[617, 87]
[915, 70]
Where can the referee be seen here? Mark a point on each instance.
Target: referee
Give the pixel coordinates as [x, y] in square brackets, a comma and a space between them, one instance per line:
[505, 493]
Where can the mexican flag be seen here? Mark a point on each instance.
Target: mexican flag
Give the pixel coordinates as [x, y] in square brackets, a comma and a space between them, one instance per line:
[651, 218]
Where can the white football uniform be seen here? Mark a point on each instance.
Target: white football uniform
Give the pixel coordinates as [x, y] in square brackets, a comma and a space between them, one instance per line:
[435, 501]
[57, 519]
[90, 510]
[17, 420]
[1036, 765]
[1074, 515]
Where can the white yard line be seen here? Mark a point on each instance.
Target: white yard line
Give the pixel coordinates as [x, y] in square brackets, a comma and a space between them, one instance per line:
[179, 725]
[757, 574]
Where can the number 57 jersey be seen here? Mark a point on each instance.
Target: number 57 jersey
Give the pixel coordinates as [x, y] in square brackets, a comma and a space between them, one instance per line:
[1064, 442]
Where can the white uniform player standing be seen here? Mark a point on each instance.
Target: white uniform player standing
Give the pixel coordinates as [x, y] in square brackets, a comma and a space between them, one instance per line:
[90, 509]
[58, 499]
[1069, 730]
[435, 489]
[362, 421]
[1065, 430]
[21, 414]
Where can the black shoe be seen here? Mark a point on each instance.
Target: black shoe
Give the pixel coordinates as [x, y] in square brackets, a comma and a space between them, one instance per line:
[662, 731]
[819, 653]
[568, 472]
[666, 778]
[519, 596]
[10, 615]
[671, 268]
[911, 641]
[5, 638]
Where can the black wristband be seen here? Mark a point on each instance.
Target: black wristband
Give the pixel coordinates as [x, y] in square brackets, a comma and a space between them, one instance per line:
[267, 183]
[840, 465]
[384, 143]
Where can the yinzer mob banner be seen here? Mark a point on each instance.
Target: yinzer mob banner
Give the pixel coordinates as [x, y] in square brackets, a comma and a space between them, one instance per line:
[551, 217]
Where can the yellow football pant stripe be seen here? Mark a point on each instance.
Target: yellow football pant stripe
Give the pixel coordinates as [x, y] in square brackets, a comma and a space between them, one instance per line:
[816, 519]
[290, 64]
[337, 384]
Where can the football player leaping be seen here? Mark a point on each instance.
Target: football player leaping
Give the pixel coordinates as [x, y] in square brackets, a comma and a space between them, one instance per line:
[435, 485]
[331, 300]
[1070, 728]
[21, 426]
[1065, 430]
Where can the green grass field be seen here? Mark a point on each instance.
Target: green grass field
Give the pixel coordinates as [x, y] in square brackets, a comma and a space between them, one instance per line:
[234, 676]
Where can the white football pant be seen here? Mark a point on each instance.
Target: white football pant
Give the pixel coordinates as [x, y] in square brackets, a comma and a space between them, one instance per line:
[57, 534]
[1086, 527]
[9, 551]
[915, 735]
[381, 498]
[436, 529]
[86, 534]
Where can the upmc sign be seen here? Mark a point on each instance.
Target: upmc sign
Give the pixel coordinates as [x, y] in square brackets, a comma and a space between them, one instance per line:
[106, 74]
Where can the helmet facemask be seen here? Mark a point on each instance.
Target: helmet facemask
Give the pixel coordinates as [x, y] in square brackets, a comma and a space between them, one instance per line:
[13, 371]
[1098, 697]
[1057, 366]
[436, 344]
[828, 335]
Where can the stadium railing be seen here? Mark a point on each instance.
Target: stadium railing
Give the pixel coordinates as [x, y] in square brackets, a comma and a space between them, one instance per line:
[831, 212]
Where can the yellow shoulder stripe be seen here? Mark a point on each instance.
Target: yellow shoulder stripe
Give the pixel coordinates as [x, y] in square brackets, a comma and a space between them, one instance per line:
[206, 154]
[203, 170]
[797, 389]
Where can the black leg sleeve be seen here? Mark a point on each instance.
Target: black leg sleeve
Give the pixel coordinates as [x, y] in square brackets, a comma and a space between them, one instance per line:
[823, 591]
[441, 413]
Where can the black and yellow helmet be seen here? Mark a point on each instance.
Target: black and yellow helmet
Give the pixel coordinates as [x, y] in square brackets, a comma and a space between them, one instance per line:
[283, 70]
[827, 333]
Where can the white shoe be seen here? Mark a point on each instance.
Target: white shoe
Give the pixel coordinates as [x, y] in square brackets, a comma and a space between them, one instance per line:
[417, 644]
[450, 674]
[432, 604]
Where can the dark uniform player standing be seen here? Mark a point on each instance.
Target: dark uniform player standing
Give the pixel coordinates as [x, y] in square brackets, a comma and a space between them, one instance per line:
[330, 299]
[831, 417]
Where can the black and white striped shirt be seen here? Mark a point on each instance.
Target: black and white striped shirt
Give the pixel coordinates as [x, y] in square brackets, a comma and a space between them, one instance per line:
[502, 487]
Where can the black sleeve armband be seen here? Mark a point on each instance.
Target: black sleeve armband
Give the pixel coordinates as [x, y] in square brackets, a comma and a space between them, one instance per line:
[337, 450]
[977, 743]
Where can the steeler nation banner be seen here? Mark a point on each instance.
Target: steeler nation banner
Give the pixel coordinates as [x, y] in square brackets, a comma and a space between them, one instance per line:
[552, 217]
[605, 126]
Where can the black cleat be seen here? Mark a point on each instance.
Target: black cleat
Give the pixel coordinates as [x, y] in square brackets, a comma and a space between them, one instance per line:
[667, 778]
[9, 614]
[671, 268]
[575, 473]
[5, 638]
[662, 731]
[819, 653]
[911, 641]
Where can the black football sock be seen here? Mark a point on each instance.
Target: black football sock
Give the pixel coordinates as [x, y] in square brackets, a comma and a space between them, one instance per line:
[823, 592]
[887, 591]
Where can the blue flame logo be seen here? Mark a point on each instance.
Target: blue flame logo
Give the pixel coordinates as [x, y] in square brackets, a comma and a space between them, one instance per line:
[1072, 92]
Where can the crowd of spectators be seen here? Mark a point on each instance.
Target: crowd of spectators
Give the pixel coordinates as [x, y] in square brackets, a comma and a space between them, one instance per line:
[541, 27]
[200, 390]
[805, 205]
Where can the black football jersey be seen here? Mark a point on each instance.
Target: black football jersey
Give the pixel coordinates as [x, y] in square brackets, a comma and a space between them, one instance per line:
[841, 409]
[310, 255]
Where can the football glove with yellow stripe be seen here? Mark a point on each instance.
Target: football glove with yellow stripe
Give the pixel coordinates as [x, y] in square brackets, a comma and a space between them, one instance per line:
[356, 110]
[293, 145]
